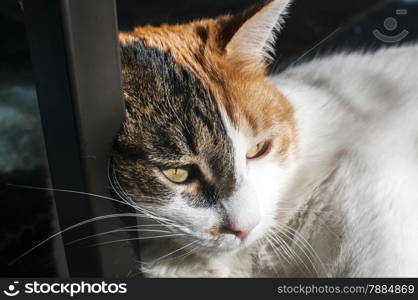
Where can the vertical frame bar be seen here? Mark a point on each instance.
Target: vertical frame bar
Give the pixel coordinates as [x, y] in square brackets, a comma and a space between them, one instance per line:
[75, 56]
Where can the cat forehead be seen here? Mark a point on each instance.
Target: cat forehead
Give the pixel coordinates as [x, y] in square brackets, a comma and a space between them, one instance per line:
[240, 90]
[168, 106]
[197, 47]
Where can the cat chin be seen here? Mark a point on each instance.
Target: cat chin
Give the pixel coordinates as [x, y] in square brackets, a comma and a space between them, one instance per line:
[228, 245]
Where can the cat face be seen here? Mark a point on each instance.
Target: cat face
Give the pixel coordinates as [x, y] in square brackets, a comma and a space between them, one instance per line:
[206, 137]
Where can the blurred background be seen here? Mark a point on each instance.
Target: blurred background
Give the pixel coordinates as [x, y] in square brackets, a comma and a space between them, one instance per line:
[314, 28]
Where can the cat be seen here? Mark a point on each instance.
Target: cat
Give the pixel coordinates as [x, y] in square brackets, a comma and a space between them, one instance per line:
[312, 172]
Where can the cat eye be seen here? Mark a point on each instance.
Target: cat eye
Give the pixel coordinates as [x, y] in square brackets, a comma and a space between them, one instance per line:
[176, 175]
[258, 150]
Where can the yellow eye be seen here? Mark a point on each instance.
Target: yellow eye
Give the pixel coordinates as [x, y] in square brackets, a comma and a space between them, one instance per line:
[258, 150]
[176, 175]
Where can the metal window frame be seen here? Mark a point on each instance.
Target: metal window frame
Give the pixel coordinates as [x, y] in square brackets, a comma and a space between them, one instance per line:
[75, 57]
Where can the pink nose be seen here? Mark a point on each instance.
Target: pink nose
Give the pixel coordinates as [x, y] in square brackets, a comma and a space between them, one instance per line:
[242, 232]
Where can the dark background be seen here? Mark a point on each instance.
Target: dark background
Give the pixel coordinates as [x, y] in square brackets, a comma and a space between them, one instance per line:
[26, 216]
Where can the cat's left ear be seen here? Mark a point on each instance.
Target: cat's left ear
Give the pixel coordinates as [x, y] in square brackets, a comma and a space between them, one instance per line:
[250, 35]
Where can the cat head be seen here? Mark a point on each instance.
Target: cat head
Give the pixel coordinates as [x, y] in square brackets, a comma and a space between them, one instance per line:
[207, 137]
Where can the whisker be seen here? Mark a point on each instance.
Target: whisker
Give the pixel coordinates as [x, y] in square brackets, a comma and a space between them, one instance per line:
[183, 256]
[137, 239]
[99, 218]
[291, 253]
[134, 206]
[161, 220]
[306, 245]
[304, 210]
[279, 256]
[300, 237]
[68, 191]
[119, 190]
[295, 253]
[318, 214]
[315, 46]
[171, 253]
[280, 245]
[124, 229]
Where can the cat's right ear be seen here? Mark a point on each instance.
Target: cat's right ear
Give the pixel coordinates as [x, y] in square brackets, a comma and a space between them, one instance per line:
[250, 35]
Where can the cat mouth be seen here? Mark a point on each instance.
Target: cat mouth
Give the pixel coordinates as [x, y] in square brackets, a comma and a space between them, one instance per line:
[225, 242]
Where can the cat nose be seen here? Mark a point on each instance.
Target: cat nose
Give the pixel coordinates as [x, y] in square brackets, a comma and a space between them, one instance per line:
[241, 232]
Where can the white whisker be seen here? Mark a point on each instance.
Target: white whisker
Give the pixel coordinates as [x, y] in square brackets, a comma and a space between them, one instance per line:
[295, 253]
[138, 239]
[278, 254]
[291, 253]
[124, 229]
[72, 227]
[171, 253]
[306, 245]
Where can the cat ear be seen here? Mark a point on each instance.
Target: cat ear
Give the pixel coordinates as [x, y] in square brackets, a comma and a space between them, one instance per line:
[250, 35]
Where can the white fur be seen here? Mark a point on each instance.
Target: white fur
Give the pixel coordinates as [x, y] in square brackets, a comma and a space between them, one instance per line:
[358, 114]
[356, 171]
[257, 184]
[350, 192]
